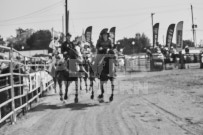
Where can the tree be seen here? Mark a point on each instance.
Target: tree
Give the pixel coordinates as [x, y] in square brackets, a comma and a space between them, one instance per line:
[39, 40]
[2, 42]
[188, 43]
[138, 47]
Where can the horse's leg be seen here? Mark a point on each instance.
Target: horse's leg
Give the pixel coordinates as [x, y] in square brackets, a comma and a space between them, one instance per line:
[60, 89]
[76, 91]
[80, 83]
[66, 91]
[91, 88]
[54, 78]
[101, 96]
[112, 88]
[85, 79]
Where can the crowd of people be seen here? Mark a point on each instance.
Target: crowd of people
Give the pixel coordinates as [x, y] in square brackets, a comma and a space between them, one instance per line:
[170, 54]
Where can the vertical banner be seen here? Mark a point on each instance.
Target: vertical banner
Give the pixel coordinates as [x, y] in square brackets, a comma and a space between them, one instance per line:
[179, 35]
[169, 35]
[155, 34]
[112, 33]
[88, 34]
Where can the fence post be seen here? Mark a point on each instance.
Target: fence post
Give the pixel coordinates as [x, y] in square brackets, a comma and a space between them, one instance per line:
[20, 82]
[13, 116]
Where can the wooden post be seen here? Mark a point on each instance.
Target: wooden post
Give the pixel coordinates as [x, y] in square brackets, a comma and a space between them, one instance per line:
[13, 116]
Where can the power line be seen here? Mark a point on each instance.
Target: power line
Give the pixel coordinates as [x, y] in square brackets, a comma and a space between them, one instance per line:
[50, 21]
[33, 13]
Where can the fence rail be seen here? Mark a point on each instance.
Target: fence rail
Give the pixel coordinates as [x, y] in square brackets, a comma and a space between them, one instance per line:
[19, 89]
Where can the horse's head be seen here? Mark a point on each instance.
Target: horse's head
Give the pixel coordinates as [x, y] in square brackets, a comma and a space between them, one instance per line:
[61, 65]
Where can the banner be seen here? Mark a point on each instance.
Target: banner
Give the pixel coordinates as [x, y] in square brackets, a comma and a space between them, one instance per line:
[179, 35]
[88, 34]
[112, 33]
[169, 36]
[155, 34]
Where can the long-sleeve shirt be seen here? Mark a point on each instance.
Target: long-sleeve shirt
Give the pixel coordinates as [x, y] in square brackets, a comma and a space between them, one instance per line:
[105, 45]
[65, 46]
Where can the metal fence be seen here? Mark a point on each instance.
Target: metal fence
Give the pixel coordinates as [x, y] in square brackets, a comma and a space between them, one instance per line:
[18, 89]
[137, 63]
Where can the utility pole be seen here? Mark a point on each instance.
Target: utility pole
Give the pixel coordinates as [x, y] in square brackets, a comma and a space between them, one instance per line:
[193, 27]
[63, 25]
[66, 16]
[152, 29]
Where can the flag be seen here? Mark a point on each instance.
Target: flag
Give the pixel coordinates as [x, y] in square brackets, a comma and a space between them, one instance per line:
[155, 34]
[112, 33]
[169, 35]
[88, 34]
[179, 35]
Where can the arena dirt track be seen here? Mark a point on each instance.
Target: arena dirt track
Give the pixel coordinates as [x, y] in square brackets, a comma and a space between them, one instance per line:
[155, 103]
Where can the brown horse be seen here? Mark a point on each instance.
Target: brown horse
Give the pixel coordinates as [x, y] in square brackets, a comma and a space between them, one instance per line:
[66, 70]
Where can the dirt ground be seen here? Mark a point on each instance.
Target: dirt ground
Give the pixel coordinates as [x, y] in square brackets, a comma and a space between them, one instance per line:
[147, 103]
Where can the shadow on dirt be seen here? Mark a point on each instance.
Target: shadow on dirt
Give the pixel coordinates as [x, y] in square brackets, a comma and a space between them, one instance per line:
[71, 106]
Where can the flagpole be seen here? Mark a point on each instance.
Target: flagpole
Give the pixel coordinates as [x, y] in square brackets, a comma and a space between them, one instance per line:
[62, 24]
[152, 29]
[193, 27]
[66, 16]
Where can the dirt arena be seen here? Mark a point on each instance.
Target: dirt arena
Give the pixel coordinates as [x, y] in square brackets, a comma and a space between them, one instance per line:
[146, 103]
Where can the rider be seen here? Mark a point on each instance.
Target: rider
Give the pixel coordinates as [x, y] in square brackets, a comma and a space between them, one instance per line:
[104, 46]
[67, 46]
[86, 51]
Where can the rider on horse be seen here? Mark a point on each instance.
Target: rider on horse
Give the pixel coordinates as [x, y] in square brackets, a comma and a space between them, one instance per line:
[68, 48]
[104, 48]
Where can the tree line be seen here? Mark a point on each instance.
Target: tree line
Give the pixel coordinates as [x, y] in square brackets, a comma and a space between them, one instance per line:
[26, 40]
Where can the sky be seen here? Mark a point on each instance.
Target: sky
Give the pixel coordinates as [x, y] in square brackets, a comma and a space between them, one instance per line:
[128, 16]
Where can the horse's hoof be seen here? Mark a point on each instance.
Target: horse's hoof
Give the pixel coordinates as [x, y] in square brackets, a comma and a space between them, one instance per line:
[65, 97]
[92, 97]
[111, 99]
[101, 100]
[76, 100]
[100, 96]
[61, 98]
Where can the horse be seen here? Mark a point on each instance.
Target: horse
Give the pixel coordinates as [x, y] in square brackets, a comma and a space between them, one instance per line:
[88, 67]
[66, 69]
[105, 74]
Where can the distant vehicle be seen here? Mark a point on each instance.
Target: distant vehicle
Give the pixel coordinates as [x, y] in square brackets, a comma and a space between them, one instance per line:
[193, 59]
[157, 62]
